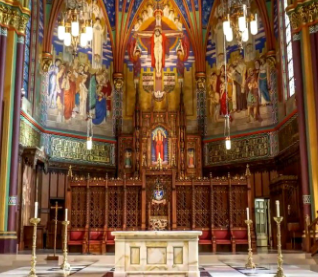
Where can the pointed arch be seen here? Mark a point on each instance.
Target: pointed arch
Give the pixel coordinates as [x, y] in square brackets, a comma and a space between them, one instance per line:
[56, 8]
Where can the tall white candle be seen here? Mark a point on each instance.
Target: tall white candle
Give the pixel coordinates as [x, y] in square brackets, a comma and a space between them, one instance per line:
[248, 213]
[36, 208]
[277, 209]
[65, 214]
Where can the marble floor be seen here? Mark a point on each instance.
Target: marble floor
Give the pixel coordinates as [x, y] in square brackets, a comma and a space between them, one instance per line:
[296, 264]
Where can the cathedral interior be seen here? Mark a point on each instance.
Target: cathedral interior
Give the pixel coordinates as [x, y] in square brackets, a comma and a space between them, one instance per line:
[190, 116]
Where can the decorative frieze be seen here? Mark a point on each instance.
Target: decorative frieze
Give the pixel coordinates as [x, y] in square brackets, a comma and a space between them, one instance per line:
[302, 13]
[14, 16]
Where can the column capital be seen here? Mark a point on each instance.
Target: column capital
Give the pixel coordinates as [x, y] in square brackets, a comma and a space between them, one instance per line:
[14, 16]
[302, 13]
[47, 60]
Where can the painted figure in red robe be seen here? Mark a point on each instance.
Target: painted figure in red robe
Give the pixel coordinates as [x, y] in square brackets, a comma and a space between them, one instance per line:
[69, 87]
[159, 145]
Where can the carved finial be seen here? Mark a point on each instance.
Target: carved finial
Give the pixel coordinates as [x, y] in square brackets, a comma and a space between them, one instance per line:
[210, 175]
[106, 176]
[88, 176]
[70, 173]
[247, 172]
[229, 175]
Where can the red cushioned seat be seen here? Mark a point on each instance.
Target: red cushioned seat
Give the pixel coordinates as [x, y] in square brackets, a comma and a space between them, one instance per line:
[220, 236]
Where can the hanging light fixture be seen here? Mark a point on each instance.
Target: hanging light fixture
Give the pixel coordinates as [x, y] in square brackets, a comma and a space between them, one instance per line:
[89, 139]
[237, 18]
[73, 29]
[227, 115]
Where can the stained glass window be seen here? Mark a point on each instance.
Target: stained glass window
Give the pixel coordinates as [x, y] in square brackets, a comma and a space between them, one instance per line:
[27, 55]
[289, 61]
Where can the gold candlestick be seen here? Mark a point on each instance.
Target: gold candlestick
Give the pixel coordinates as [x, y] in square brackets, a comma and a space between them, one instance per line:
[34, 222]
[65, 265]
[280, 271]
[250, 262]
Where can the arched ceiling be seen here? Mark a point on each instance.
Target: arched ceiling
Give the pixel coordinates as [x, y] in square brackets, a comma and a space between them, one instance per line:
[196, 16]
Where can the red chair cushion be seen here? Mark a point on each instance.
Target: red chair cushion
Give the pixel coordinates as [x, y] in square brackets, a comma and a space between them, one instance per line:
[76, 235]
[240, 234]
[109, 236]
[75, 242]
[206, 235]
[96, 235]
[221, 235]
[223, 241]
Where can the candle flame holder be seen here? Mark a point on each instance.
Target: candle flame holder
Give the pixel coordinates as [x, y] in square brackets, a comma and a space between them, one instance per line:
[65, 265]
[250, 263]
[280, 271]
[34, 222]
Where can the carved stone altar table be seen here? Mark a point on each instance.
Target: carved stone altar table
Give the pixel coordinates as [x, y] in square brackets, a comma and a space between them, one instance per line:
[156, 253]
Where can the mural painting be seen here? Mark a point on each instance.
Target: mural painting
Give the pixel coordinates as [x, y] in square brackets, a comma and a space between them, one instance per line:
[158, 55]
[80, 85]
[242, 87]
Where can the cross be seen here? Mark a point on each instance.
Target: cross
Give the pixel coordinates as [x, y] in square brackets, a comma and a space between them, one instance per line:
[56, 208]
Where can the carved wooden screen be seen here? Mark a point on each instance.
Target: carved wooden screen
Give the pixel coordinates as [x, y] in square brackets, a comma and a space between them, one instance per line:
[220, 216]
[97, 207]
[239, 204]
[202, 206]
[115, 206]
[184, 204]
[133, 206]
[78, 209]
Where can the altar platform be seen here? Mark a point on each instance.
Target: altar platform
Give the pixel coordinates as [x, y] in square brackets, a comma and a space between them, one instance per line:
[296, 264]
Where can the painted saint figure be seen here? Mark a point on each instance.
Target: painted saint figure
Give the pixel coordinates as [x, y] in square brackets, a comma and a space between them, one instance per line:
[182, 54]
[69, 87]
[97, 44]
[159, 145]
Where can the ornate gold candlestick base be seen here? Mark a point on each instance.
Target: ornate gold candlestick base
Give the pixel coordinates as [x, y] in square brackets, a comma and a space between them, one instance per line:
[65, 265]
[280, 271]
[34, 222]
[250, 262]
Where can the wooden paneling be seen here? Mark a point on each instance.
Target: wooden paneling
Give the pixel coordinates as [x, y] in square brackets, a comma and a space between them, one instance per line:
[61, 185]
[265, 184]
[53, 185]
[258, 184]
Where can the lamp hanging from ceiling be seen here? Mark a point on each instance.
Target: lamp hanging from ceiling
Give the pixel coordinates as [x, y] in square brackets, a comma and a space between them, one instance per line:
[76, 25]
[238, 20]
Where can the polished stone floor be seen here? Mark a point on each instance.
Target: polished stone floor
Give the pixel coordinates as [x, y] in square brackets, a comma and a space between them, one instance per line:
[296, 264]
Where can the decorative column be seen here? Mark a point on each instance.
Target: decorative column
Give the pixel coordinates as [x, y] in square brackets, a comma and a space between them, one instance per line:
[118, 102]
[13, 191]
[303, 15]
[3, 49]
[201, 102]
[296, 44]
[137, 131]
[182, 135]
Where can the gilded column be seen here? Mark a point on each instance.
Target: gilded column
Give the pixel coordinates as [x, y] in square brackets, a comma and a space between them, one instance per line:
[302, 16]
[296, 44]
[118, 102]
[3, 49]
[13, 190]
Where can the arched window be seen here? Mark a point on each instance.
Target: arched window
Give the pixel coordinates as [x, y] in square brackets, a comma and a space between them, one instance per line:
[289, 53]
[27, 55]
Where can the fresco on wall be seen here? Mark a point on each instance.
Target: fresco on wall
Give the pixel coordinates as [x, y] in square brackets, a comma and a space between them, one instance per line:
[158, 54]
[81, 85]
[247, 94]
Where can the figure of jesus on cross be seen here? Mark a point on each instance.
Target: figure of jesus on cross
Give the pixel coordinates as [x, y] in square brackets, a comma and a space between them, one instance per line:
[158, 46]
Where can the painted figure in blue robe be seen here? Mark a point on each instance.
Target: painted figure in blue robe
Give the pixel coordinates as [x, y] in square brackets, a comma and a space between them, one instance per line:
[100, 107]
[52, 89]
[263, 76]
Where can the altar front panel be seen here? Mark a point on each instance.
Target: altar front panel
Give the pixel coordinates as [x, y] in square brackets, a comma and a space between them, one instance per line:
[152, 253]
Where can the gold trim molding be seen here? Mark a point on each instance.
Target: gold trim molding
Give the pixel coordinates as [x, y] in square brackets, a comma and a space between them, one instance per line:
[14, 16]
[302, 13]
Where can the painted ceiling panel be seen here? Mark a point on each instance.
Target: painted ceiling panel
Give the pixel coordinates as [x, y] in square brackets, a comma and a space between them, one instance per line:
[110, 8]
[206, 11]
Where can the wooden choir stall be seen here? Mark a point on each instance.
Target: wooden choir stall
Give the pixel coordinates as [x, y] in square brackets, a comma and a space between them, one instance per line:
[215, 206]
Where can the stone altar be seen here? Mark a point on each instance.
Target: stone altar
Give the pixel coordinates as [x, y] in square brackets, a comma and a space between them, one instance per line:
[156, 253]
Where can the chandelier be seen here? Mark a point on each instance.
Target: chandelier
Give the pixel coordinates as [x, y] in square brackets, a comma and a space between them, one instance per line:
[238, 19]
[76, 25]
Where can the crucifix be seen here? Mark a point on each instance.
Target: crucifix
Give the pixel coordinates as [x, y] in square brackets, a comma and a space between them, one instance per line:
[56, 208]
